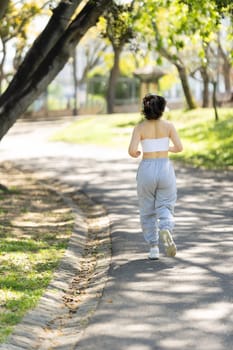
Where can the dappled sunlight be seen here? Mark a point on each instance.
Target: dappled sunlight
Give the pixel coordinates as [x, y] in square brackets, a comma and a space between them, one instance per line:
[137, 347]
[212, 312]
[185, 341]
[170, 286]
[146, 300]
[159, 310]
[170, 304]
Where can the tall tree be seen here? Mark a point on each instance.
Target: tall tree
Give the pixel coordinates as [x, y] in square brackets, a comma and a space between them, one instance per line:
[93, 48]
[181, 31]
[163, 26]
[225, 50]
[118, 30]
[47, 56]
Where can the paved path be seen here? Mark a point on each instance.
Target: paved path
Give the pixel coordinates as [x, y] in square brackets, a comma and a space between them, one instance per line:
[181, 303]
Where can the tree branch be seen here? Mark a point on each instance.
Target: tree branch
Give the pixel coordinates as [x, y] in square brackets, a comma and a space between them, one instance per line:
[35, 83]
[3, 7]
[42, 45]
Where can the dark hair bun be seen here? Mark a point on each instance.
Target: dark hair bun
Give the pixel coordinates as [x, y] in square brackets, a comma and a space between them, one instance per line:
[153, 106]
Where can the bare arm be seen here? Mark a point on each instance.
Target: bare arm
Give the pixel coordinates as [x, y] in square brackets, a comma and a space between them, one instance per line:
[177, 144]
[133, 146]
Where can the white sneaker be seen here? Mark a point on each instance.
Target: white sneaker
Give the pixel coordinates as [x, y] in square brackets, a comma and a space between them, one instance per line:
[154, 253]
[168, 242]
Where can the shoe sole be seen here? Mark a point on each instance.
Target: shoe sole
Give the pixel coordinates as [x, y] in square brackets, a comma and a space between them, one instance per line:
[168, 242]
[152, 258]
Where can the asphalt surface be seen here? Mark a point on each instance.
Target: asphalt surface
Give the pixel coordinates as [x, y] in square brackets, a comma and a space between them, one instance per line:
[176, 303]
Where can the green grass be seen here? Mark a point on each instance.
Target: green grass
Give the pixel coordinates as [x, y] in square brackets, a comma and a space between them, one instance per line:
[34, 233]
[206, 143]
[105, 130]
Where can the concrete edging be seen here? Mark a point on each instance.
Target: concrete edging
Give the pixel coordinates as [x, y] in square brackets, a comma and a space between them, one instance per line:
[53, 324]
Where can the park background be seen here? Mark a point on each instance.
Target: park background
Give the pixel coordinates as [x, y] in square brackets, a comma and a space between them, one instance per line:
[178, 49]
[93, 61]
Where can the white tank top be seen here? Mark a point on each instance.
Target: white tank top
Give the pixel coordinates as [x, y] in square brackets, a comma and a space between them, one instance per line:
[155, 145]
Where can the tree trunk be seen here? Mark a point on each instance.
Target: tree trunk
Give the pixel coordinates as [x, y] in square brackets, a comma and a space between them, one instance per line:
[2, 75]
[185, 85]
[227, 75]
[215, 101]
[226, 67]
[114, 73]
[25, 88]
[75, 84]
[205, 79]
[176, 60]
[3, 7]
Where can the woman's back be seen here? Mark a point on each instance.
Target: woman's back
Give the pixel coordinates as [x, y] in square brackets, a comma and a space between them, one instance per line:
[153, 133]
[154, 129]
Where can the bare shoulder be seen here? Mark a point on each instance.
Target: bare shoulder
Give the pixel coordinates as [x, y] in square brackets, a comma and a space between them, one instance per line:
[142, 123]
[140, 126]
[168, 125]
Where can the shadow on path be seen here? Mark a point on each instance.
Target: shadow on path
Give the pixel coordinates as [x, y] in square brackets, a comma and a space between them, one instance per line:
[171, 304]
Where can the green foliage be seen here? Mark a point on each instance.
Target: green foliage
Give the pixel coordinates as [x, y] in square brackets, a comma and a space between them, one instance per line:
[117, 25]
[123, 88]
[98, 85]
[170, 23]
[189, 35]
[14, 27]
[16, 20]
[222, 6]
[167, 81]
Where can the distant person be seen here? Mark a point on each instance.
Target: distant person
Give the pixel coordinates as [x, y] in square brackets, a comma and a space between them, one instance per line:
[156, 181]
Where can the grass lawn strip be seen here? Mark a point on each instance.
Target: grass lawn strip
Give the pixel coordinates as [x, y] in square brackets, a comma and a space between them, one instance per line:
[35, 227]
[207, 143]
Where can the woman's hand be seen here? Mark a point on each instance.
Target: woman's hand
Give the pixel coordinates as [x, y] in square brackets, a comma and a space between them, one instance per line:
[177, 145]
[133, 146]
[138, 153]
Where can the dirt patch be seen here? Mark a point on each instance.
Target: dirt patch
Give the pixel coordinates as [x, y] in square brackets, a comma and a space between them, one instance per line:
[29, 209]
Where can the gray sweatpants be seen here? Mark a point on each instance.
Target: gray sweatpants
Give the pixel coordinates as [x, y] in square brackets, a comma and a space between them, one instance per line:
[156, 188]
